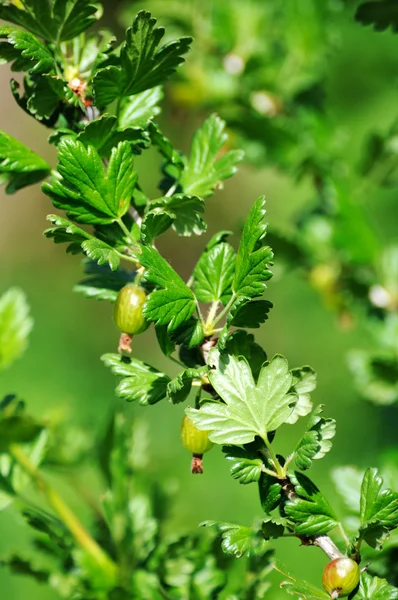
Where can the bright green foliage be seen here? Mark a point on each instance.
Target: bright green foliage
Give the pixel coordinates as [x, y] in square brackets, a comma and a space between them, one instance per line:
[214, 274]
[378, 509]
[309, 511]
[373, 588]
[19, 166]
[316, 441]
[205, 168]
[249, 409]
[15, 326]
[141, 383]
[246, 467]
[30, 53]
[84, 191]
[142, 65]
[53, 20]
[239, 540]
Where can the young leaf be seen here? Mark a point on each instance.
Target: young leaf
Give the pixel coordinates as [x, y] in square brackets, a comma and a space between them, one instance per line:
[155, 222]
[19, 166]
[378, 508]
[141, 383]
[273, 527]
[175, 303]
[374, 588]
[239, 540]
[55, 22]
[248, 410]
[15, 326]
[185, 213]
[246, 467]
[178, 389]
[205, 168]
[101, 252]
[316, 441]
[304, 382]
[139, 109]
[34, 56]
[309, 510]
[101, 282]
[142, 64]
[253, 258]
[214, 273]
[381, 14]
[104, 134]
[84, 191]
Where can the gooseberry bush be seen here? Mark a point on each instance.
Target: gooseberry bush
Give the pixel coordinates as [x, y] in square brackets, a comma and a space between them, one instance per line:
[100, 101]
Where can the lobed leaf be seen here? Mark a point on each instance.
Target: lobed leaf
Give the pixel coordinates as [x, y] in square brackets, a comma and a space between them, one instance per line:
[248, 409]
[141, 383]
[33, 55]
[239, 540]
[214, 273]
[378, 509]
[246, 466]
[19, 166]
[316, 441]
[374, 588]
[205, 168]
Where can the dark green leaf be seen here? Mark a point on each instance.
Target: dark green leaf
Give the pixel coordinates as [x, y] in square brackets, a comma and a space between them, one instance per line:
[101, 282]
[246, 467]
[185, 212]
[178, 389]
[273, 528]
[253, 258]
[37, 57]
[83, 189]
[56, 21]
[316, 441]
[206, 169]
[249, 314]
[270, 491]
[19, 166]
[239, 540]
[18, 430]
[15, 326]
[241, 343]
[309, 510]
[104, 134]
[44, 97]
[248, 410]
[155, 222]
[141, 382]
[381, 14]
[66, 232]
[142, 64]
[175, 303]
[214, 273]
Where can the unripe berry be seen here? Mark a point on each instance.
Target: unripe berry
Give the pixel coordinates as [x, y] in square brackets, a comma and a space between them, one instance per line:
[195, 441]
[340, 577]
[128, 310]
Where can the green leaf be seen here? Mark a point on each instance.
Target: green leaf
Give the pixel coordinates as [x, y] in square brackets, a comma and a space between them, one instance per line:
[273, 527]
[101, 252]
[101, 282]
[294, 587]
[239, 540]
[381, 14]
[241, 343]
[214, 273]
[34, 56]
[206, 168]
[57, 21]
[180, 211]
[248, 410]
[316, 441]
[66, 232]
[378, 508]
[18, 430]
[141, 383]
[309, 510]
[175, 303]
[246, 467]
[348, 481]
[142, 64]
[83, 190]
[304, 382]
[178, 389]
[270, 491]
[15, 326]
[138, 110]
[253, 259]
[104, 134]
[374, 588]
[249, 314]
[19, 166]
[43, 98]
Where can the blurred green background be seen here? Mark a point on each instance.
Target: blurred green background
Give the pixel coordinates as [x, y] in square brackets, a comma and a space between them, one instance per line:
[61, 373]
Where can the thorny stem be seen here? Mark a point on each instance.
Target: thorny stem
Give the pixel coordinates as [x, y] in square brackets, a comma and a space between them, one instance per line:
[76, 528]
